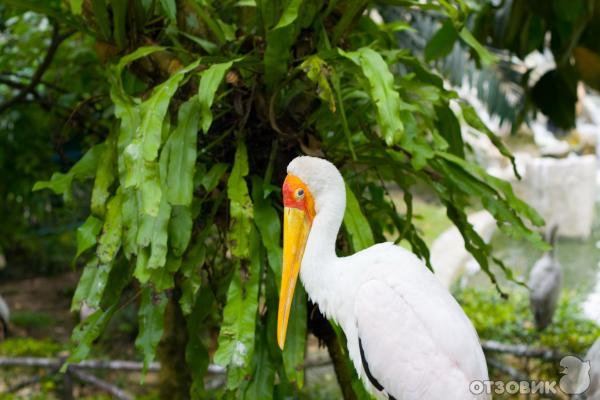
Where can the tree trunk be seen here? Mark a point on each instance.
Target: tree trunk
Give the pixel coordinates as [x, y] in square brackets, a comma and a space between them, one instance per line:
[174, 378]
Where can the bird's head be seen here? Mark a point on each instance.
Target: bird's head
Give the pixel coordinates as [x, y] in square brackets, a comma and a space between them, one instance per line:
[311, 184]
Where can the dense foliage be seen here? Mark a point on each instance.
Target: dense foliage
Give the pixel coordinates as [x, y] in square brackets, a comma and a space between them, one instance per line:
[202, 106]
[570, 29]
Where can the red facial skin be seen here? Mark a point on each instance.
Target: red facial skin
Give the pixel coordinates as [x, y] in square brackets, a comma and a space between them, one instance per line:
[292, 200]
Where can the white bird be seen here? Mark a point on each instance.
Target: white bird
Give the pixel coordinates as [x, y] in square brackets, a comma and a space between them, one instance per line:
[407, 336]
[545, 285]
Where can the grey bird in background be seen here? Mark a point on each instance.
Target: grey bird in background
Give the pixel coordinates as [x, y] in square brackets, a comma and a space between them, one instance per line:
[545, 284]
[4, 318]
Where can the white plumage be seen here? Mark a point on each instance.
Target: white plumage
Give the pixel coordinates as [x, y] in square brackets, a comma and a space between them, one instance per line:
[416, 340]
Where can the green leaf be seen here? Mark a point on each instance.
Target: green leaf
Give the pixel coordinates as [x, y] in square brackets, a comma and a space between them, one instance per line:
[210, 80]
[170, 8]
[356, 223]
[154, 110]
[381, 90]
[87, 332]
[290, 14]
[485, 56]
[76, 6]
[82, 170]
[110, 240]
[140, 155]
[295, 342]
[92, 284]
[160, 236]
[182, 157]
[240, 204]
[196, 353]
[105, 176]
[263, 378]
[140, 52]
[151, 316]
[279, 42]
[190, 269]
[119, 22]
[269, 225]
[211, 179]
[471, 118]
[180, 229]
[236, 338]
[85, 283]
[442, 42]
[87, 234]
[129, 215]
[102, 19]
[449, 128]
[317, 71]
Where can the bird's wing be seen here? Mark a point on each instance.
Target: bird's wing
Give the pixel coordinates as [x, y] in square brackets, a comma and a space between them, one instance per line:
[414, 353]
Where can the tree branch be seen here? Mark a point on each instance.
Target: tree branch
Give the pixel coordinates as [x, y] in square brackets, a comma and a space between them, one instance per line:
[521, 350]
[101, 384]
[55, 42]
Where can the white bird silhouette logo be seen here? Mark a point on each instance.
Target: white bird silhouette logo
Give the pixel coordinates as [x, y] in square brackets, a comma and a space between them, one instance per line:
[577, 375]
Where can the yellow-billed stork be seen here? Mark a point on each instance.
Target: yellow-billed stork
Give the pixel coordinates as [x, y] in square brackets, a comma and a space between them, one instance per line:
[407, 336]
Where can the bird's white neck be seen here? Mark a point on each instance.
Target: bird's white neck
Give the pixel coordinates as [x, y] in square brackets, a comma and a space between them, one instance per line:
[319, 264]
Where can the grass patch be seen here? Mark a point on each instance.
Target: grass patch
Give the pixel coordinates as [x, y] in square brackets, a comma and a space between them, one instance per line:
[33, 319]
[21, 347]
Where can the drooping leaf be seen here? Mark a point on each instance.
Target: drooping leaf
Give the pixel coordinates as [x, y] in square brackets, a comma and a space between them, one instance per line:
[196, 354]
[141, 153]
[76, 6]
[356, 223]
[279, 41]
[236, 338]
[110, 240]
[442, 42]
[151, 315]
[269, 225]
[105, 176]
[180, 229]
[381, 90]
[484, 54]
[263, 376]
[160, 236]
[316, 70]
[119, 22]
[240, 204]
[87, 331]
[170, 8]
[129, 215]
[210, 80]
[449, 127]
[102, 20]
[191, 271]
[295, 342]
[211, 179]
[87, 234]
[182, 157]
[83, 169]
[471, 118]
[92, 289]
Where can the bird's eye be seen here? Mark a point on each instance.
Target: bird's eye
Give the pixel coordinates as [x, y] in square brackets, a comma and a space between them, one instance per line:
[299, 194]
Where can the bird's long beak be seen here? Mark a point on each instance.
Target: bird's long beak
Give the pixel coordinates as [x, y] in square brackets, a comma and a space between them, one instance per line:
[296, 226]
